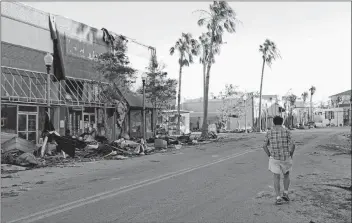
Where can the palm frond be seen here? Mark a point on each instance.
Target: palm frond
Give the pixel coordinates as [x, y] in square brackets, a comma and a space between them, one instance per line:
[190, 58]
[201, 21]
[202, 12]
[172, 51]
[185, 63]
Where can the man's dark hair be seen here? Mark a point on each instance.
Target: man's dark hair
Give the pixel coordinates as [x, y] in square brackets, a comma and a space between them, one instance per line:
[278, 120]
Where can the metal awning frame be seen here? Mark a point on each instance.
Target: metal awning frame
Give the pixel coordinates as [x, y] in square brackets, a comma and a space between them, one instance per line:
[19, 85]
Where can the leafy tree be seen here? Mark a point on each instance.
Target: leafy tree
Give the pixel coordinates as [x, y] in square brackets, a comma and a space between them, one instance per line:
[226, 109]
[269, 53]
[113, 66]
[160, 90]
[186, 47]
[220, 18]
[304, 97]
[238, 107]
[292, 100]
[312, 92]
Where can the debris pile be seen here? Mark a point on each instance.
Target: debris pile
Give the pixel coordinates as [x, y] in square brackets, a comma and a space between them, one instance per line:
[56, 150]
[17, 151]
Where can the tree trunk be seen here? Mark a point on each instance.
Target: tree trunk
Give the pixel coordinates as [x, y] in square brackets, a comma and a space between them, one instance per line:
[206, 88]
[205, 102]
[311, 107]
[253, 118]
[260, 97]
[291, 117]
[179, 100]
[204, 84]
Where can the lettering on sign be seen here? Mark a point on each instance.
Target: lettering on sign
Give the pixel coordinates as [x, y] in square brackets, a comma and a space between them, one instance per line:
[82, 49]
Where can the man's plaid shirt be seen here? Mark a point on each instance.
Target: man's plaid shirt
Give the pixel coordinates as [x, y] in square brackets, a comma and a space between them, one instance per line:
[278, 141]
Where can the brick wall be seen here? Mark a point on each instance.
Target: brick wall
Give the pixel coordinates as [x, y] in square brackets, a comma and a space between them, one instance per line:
[30, 59]
[22, 57]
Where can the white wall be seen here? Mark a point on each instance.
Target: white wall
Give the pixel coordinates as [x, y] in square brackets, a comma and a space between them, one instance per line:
[24, 26]
[338, 116]
[26, 35]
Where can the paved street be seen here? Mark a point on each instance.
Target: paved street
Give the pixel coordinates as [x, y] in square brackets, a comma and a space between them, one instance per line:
[217, 182]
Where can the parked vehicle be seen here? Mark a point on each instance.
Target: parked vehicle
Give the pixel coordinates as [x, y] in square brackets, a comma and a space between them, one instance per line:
[311, 125]
[319, 125]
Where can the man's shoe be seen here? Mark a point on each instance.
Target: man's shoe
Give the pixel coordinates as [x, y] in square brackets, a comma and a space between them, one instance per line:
[285, 197]
[279, 201]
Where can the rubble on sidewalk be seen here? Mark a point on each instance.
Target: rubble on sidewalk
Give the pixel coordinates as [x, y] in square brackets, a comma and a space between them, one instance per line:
[85, 148]
[27, 159]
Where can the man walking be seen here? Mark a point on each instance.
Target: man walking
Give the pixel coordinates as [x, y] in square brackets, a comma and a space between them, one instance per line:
[279, 147]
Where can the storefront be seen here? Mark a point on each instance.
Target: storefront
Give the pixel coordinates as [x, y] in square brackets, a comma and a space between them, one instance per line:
[72, 109]
[24, 120]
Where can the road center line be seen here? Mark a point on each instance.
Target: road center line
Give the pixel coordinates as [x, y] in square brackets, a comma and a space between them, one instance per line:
[101, 196]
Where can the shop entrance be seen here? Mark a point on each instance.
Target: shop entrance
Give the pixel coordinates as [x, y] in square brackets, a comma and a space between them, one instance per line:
[88, 118]
[27, 123]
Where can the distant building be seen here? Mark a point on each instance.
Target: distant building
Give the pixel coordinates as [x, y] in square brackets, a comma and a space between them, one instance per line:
[271, 106]
[345, 99]
[340, 112]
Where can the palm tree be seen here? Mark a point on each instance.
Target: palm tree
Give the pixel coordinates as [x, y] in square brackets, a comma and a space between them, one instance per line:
[312, 91]
[292, 99]
[269, 53]
[304, 97]
[186, 47]
[219, 18]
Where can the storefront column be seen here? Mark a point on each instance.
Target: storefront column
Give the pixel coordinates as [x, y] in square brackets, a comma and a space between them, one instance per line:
[62, 122]
[114, 126]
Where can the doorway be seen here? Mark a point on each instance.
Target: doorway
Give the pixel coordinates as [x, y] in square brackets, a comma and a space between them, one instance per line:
[27, 126]
[88, 118]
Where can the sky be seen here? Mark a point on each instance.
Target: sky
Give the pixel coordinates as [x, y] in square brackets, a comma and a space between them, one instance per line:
[314, 39]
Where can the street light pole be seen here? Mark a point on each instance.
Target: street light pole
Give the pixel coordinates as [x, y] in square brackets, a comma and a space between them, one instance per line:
[350, 111]
[245, 113]
[48, 86]
[48, 60]
[144, 123]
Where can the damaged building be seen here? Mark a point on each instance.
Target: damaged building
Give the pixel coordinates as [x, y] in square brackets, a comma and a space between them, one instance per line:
[75, 96]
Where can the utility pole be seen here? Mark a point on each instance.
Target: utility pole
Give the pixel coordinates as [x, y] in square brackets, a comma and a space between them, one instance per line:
[252, 94]
[350, 111]
[154, 62]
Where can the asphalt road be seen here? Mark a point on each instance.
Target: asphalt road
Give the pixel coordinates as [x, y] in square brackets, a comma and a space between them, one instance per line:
[216, 182]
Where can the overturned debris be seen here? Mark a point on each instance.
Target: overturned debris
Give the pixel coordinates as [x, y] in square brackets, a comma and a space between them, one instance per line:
[17, 143]
[27, 159]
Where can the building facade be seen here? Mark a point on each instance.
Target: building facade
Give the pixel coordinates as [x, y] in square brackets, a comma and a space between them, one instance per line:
[74, 93]
[248, 118]
[339, 111]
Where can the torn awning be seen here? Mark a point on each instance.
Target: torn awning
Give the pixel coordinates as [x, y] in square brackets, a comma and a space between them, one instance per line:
[58, 58]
